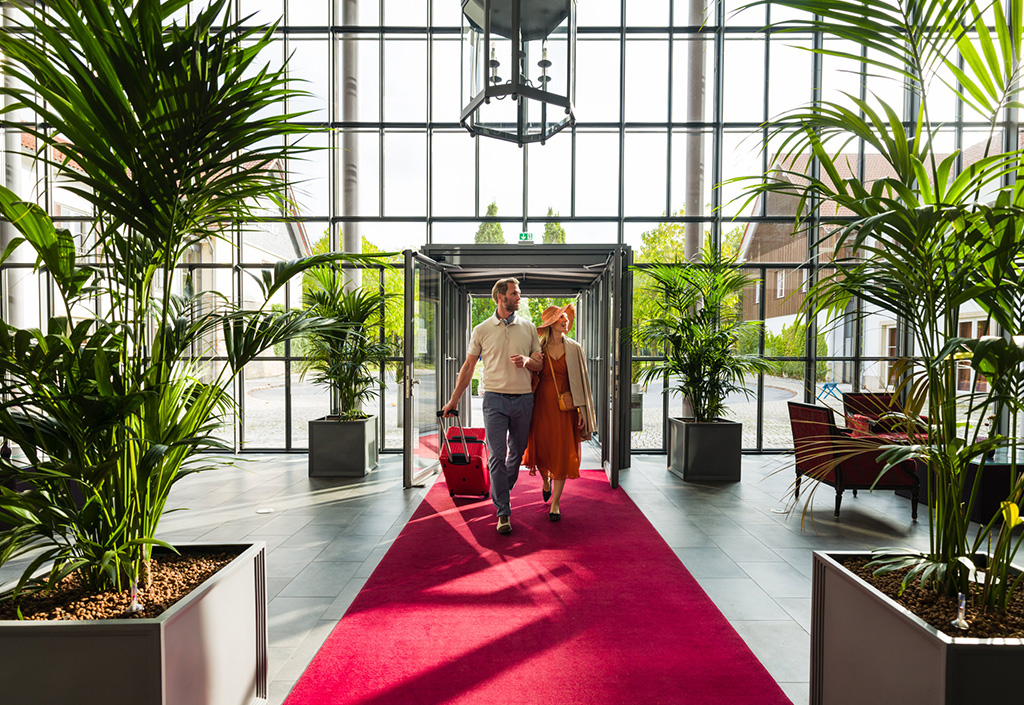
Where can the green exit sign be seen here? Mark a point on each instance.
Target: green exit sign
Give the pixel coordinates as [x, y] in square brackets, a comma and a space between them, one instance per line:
[525, 238]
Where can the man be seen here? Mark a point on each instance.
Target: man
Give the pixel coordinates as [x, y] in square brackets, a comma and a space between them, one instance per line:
[509, 349]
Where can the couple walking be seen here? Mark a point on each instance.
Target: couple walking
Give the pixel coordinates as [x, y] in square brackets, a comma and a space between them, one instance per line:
[525, 371]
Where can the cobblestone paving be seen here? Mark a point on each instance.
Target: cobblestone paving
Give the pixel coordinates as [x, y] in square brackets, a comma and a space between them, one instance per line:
[776, 417]
[265, 420]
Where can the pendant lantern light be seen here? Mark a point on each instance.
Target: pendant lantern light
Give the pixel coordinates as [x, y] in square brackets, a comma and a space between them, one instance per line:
[518, 60]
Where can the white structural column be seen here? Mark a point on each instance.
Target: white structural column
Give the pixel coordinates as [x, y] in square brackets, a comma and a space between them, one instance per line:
[693, 232]
[350, 238]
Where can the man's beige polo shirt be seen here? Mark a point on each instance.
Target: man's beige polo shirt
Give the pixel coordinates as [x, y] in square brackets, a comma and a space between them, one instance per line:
[495, 342]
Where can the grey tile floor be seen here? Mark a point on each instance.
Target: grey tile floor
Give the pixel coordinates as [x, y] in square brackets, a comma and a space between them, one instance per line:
[325, 537]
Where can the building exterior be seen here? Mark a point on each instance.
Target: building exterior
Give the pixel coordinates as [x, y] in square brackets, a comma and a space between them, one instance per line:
[766, 244]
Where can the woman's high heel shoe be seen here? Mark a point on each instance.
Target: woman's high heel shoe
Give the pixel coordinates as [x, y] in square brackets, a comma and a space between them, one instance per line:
[546, 494]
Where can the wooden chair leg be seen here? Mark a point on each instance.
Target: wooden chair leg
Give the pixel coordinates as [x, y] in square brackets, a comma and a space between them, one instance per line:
[839, 499]
[913, 500]
[796, 492]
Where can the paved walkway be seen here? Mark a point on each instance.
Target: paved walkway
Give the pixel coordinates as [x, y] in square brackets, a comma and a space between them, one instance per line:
[265, 428]
[776, 416]
[264, 417]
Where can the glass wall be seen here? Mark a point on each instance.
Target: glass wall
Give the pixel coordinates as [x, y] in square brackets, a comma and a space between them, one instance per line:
[669, 105]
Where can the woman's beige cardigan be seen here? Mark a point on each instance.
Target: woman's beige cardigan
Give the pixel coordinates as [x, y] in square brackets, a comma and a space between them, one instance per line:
[579, 385]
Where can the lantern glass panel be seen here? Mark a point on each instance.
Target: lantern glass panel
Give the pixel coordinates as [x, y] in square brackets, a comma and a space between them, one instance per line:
[517, 74]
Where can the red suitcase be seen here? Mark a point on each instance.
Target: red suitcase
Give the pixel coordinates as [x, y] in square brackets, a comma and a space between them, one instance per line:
[464, 460]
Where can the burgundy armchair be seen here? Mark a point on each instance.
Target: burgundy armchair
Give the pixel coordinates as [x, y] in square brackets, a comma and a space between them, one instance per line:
[865, 414]
[842, 460]
[864, 409]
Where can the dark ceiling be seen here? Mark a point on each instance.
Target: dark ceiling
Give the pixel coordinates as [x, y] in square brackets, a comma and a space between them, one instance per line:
[542, 270]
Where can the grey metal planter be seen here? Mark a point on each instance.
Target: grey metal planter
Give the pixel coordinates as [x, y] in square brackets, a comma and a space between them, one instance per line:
[208, 649]
[342, 448]
[867, 648]
[705, 452]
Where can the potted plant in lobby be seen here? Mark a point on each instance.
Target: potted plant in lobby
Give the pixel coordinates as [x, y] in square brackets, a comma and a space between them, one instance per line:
[696, 323]
[170, 131]
[344, 358]
[925, 234]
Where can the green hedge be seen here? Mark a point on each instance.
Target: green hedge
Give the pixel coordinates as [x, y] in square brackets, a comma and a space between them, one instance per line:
[787, 343]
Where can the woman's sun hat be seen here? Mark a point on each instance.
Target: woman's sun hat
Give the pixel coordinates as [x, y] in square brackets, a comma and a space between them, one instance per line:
[553, 313]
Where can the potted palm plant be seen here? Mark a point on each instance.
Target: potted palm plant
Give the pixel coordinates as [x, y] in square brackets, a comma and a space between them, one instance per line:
[167, 129]
[344, 358]
[931, 234]
[696, 322]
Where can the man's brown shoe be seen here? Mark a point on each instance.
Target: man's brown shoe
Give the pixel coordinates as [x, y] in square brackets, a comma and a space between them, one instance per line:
[504, 525]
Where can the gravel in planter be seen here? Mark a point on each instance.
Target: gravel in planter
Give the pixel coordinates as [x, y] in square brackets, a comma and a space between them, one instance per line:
[939, 610]
[174, 577]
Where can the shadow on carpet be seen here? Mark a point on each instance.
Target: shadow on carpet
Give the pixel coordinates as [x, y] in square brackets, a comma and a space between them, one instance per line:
[594, 609]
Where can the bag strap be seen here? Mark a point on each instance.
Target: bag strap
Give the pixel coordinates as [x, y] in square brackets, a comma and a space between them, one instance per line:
[552, 368]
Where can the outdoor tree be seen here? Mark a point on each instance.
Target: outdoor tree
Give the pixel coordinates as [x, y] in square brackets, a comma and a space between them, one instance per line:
[490, 233]
[394, 288]
[790, 342]
[394, 291]
[487, 233]
[536, 307]
[665, 243]
[554, 234]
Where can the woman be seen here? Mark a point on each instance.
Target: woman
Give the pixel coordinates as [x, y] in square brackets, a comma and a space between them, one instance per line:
[555, 434]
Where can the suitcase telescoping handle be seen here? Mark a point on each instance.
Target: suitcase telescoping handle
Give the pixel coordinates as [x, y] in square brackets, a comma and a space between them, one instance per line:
[453, 458]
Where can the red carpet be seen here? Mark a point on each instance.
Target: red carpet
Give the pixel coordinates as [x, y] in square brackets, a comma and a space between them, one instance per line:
[593, 610]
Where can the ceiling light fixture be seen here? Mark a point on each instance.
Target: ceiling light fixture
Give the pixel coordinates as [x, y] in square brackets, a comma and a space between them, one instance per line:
[518, 34]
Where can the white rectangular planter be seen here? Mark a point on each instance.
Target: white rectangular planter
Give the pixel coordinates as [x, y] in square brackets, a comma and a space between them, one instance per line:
[866, 648]
[210, 648]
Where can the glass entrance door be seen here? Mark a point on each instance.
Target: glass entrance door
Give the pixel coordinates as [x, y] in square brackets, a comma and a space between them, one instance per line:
[620, 317]
[423, 287]
[606, 309]
[439, 283]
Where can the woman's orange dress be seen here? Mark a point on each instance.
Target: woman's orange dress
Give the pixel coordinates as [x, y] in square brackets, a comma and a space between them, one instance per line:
[554, 445]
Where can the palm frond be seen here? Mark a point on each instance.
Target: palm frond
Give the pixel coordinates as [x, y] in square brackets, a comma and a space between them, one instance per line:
[171, 132]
